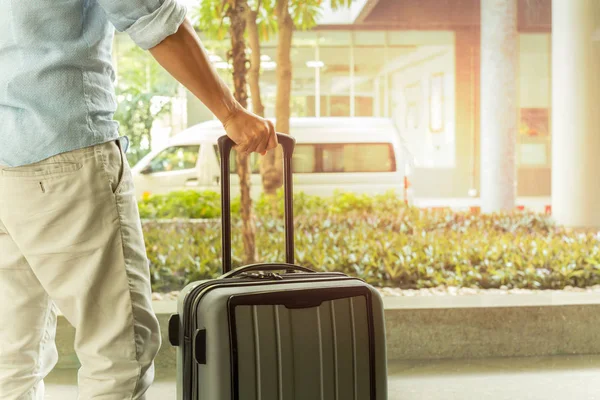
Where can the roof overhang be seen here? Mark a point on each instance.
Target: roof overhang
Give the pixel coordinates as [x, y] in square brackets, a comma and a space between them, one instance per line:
[361, 9]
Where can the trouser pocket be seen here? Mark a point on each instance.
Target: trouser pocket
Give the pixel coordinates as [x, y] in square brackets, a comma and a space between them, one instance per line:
[116, 165]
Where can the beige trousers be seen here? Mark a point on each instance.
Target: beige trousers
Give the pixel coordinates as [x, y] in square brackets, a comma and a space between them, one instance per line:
[71, 237]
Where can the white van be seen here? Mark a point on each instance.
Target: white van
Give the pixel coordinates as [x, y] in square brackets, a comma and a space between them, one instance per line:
[360, 155]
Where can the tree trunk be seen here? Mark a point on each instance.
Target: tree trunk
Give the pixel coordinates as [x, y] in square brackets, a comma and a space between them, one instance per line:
[254, 72]
[273, 164]
[266, 163]
[240, 70]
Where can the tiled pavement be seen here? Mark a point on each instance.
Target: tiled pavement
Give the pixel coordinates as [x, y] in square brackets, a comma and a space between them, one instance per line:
[547, 378]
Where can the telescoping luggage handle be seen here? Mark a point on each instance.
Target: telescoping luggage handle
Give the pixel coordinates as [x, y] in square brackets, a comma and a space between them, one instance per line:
[225, 145]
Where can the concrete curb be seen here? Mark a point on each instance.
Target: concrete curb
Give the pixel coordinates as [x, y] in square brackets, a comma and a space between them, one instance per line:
[437, 327]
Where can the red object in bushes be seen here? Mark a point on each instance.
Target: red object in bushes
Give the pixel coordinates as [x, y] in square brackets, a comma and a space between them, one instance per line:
[548, 210]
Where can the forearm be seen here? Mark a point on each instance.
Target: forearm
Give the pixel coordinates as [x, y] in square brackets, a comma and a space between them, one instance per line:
[184, 57]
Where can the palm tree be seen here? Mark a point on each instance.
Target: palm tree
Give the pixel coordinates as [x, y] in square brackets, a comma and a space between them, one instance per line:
[210, 17]
[256, 18]
[263, 18]
[233, 14]
[290, 15]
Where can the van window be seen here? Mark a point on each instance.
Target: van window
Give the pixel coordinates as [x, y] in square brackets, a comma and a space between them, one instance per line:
[304, 159]
[254, 161]
[359, 157]
[333, 157]
[175, 158]
[344, 157]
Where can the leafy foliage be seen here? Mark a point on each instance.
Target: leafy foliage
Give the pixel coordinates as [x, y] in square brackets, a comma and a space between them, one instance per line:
[140, 81]
[190, 204]
[185, 204]
[387, 244]
[210, 17]
[305, 13]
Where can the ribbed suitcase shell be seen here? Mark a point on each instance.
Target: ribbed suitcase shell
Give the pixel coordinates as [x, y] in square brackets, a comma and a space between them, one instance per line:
[253, 349]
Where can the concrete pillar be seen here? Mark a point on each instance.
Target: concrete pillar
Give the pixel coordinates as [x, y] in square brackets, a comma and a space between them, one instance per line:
[499, 109]
[575, 113]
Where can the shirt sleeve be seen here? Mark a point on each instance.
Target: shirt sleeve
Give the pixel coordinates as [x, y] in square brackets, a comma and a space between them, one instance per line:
[147, 22]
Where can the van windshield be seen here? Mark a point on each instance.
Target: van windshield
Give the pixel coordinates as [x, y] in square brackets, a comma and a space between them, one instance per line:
[175, 158]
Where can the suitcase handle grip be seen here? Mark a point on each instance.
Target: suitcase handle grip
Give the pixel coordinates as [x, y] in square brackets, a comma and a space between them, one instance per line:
[225, 145]
[286, 141]
[266, 267]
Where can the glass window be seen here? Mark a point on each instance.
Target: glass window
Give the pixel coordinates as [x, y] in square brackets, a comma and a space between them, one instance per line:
[360, 157]
[533, 155]
[335, 81]
[335, 38]
[304, 38]
[175, 158]
[369, 62]
[339, 106]
[304, 159]
[303, 82]
[420, 38]
[369, 38]
[535, 59]
[333, 158]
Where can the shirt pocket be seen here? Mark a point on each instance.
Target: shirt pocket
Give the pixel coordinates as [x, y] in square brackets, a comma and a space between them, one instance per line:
[42, 170]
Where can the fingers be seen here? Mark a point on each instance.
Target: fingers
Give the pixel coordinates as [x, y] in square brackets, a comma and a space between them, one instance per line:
[272, 137]
[260, 139]
[253, 134]
[245, 148]
[264, 139]
[249, 145]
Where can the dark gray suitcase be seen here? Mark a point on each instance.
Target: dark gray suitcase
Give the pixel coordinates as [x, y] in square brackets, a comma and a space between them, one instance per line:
[278, 331]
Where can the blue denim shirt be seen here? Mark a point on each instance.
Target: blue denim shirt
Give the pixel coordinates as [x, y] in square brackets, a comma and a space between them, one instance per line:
[56, 74]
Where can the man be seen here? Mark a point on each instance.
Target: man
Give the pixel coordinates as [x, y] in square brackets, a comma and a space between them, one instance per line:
[70, 233]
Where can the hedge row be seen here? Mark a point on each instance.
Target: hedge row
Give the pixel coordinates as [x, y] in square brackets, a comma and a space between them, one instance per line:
[388, 244]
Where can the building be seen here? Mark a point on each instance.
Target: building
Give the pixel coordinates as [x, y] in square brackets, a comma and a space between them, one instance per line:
[418, 62]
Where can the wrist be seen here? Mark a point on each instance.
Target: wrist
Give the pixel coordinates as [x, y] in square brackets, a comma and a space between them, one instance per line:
[232, 112]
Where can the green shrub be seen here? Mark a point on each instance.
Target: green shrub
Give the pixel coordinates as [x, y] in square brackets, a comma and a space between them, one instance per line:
[387, 244]
[191, 204]
[188, 204]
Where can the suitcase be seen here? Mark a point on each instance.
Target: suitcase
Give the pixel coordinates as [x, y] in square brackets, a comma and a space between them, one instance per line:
[278, 331]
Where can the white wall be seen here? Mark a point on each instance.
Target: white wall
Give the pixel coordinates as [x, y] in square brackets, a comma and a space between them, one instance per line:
[438, 150]
[534, 70]
[534, 92]
[411, 82]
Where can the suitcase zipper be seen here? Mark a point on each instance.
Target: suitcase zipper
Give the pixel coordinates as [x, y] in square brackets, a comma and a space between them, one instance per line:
[262, 275]
[193, 297]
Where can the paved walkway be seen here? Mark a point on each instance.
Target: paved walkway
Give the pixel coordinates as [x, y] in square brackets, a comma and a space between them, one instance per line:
[536, 204]
[548, 378]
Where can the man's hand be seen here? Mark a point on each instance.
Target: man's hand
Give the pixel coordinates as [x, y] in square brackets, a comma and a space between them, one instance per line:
[183, 56]
[250, 132]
